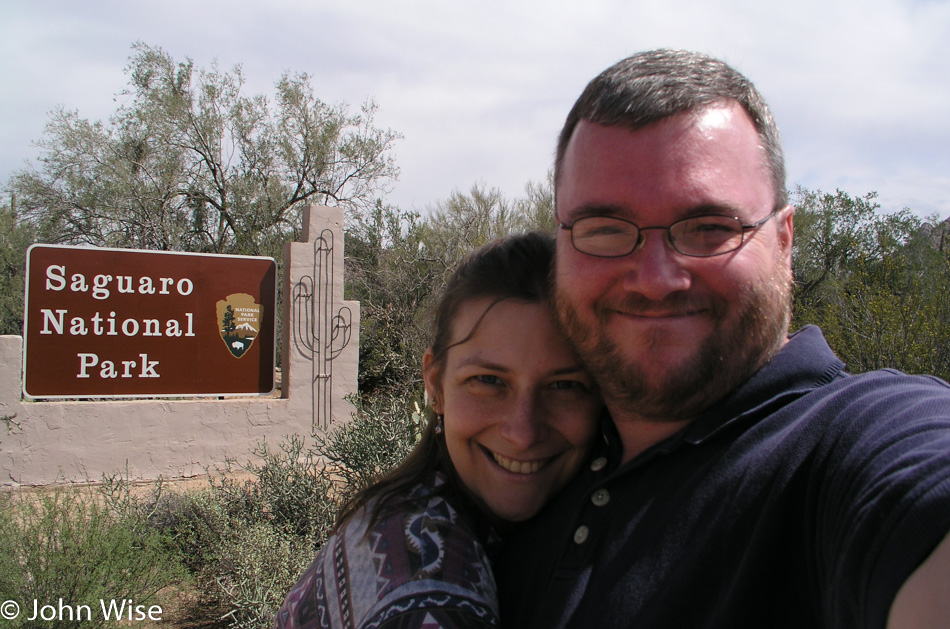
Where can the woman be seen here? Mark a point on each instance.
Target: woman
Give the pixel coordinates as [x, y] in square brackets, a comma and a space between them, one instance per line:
[513, 417]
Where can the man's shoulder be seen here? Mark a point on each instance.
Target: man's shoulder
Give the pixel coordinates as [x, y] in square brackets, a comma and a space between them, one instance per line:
[895, 377]
[809, 366]
[893, 390]
[875, 407]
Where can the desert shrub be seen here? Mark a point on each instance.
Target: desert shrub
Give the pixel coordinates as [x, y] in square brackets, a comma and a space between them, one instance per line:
[244, 538]
[259, 563]
[255, 528]
[258, 526]
[288, 486]
[11, 573]
[380, 435]
[72, 544]
[195, 521]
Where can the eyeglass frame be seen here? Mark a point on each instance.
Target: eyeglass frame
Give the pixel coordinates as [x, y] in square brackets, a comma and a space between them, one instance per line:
[669, 236]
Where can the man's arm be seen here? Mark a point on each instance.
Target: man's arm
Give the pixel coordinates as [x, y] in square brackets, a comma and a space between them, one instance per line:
[924, 599]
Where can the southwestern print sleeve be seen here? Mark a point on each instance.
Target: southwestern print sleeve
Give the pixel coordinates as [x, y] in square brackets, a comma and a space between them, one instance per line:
[421, 568]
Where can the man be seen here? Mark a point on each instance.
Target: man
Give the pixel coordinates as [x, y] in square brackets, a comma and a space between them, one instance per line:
[746, 480]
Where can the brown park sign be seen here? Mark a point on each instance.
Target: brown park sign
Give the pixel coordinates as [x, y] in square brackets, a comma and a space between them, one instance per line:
[112, 323]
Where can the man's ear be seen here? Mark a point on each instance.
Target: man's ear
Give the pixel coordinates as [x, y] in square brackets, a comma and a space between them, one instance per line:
[786, 231]
[433, 381]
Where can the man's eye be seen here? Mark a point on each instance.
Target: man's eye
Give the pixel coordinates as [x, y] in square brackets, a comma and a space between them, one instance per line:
[565, 385]
[713, 228]
[708, 225]
[604, 230]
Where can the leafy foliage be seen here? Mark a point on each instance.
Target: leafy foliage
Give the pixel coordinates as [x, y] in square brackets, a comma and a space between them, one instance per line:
[15, 237]
[252, 531]
[398, 262]
[191, 163]
[69, 545]
[389, 273]
[868, 280]
[382, 432]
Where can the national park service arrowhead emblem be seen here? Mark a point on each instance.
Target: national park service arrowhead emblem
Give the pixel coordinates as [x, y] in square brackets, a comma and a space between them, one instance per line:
[239, 320]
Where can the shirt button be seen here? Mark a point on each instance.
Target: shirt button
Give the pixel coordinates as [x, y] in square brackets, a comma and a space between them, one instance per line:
[600, 497]
[598, 464]
[580, 535]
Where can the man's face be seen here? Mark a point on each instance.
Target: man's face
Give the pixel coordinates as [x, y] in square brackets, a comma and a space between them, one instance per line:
[666, 335]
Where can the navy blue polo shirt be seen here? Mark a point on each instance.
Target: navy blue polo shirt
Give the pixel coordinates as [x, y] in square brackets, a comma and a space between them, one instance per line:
[803, 499]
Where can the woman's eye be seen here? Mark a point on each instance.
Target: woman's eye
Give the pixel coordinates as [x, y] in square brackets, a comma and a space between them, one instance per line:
[487, 379]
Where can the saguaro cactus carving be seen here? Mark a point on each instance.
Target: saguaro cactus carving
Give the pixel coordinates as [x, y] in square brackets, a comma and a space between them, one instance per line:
[320, 330]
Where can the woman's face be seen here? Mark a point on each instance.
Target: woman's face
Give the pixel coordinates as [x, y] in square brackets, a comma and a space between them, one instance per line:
[520, 410]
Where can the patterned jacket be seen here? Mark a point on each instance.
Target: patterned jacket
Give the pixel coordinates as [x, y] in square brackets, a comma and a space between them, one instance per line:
[423, 567]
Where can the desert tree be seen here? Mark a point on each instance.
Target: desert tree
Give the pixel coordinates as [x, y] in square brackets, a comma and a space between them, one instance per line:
[190, 162]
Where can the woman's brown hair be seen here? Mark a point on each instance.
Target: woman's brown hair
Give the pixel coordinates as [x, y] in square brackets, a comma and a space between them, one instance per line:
[516, 267]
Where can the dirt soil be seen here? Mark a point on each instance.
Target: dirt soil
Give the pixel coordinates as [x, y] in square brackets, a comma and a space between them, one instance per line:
[182, 608]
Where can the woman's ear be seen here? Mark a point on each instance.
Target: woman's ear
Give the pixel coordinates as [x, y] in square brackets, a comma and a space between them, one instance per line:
[433, 382]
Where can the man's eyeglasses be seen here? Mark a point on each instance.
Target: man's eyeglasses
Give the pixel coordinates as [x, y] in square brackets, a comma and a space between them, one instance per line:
[698, 236]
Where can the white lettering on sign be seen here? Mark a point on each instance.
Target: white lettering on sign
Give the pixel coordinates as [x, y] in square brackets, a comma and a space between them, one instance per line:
[109, 369]
[54, 322]
[100, 284]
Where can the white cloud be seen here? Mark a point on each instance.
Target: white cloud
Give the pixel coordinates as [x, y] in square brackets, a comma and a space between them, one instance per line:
[860, 89]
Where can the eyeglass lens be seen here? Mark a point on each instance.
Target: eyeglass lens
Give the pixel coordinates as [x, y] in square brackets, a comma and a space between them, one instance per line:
[698, 236]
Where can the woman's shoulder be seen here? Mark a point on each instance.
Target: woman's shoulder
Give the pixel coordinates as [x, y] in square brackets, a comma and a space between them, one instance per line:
[421, 553]
[433, 535]
[432, 497]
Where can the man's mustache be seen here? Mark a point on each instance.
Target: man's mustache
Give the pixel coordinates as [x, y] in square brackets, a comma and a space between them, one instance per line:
[675, 304]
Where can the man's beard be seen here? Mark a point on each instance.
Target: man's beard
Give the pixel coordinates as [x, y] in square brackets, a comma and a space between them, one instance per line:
[739, 344]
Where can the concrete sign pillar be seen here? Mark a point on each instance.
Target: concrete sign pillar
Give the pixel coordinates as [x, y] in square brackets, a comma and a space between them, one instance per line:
[321, 330]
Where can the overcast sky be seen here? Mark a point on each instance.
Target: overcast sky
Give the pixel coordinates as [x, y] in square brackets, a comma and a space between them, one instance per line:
[860, 89]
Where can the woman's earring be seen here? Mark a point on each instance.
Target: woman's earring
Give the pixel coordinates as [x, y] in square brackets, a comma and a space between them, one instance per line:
[438, 424]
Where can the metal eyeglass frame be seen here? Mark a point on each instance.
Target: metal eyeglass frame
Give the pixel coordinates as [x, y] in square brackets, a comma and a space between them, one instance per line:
[669, 236]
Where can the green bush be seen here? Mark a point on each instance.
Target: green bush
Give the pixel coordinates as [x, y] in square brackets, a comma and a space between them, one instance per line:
[382, 432]
[15, 237]
[11, 572]
[254, 529]
[262, 562]
[244, 538]
[289, 487]
[249, 535]
[73, 545]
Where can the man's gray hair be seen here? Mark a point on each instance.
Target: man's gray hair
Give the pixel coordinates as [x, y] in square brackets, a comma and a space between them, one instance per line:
[651, 86]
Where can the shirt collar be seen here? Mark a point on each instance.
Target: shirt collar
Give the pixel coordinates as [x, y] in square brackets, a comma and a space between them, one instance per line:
[805, 363]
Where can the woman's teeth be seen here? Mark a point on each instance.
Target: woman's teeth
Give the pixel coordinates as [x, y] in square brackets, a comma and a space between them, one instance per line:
[519, 467]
